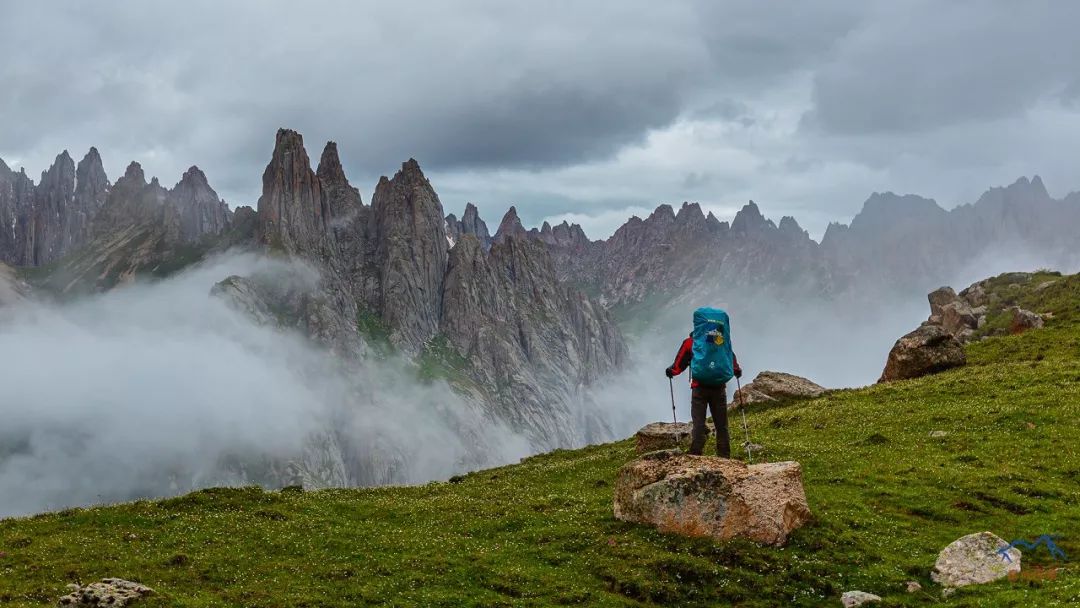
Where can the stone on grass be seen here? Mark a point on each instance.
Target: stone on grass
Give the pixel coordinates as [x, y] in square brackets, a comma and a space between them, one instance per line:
[662, 436]
[710, 496]
[851, 599]
[913, 586]
[107, 592]
[927, 350]
[1023, 320]
[976, 558]
[776, 386]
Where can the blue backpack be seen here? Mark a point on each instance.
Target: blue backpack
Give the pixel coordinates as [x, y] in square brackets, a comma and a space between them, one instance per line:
[712, 361]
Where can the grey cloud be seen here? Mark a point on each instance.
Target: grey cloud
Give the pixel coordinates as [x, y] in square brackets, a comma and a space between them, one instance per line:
[913, 96]
[909, 71]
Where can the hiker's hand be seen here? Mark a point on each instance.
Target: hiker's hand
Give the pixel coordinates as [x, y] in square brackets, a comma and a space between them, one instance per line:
[738, 373]
[670, 373]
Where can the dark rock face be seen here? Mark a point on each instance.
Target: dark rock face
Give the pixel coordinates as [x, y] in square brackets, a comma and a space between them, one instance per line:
[510, 227]
[927, 350]
[16, 216]
[293, 214]
[408, 230]
[134, 202]
[91, 191]
[53, 197]
[343, 200]
[201, 211]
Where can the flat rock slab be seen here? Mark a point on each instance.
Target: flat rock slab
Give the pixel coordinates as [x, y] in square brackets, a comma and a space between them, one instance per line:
[976, 558]
[663, 436]
[776, 386]
[108, 592]
[710, 496]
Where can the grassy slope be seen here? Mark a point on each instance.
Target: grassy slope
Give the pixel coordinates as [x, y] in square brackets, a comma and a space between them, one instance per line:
[886, 496]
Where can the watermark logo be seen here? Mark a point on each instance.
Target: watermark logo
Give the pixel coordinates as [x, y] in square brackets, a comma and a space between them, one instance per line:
[1035, 572]
[1045, 539]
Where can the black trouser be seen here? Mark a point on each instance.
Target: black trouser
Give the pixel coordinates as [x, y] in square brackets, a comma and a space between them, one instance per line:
[715, 398]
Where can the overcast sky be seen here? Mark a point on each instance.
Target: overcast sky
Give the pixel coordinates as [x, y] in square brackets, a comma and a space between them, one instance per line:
[591, 111]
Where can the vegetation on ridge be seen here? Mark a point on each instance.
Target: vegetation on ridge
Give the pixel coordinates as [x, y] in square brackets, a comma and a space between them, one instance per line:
[886, 496]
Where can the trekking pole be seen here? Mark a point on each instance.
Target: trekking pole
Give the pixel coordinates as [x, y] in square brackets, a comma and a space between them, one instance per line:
[671, 385]
[746, 429]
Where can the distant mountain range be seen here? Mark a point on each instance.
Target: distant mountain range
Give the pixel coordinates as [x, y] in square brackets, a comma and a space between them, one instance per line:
[522, 319]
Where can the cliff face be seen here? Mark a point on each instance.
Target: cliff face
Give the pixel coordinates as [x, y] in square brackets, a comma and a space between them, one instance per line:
[500, 323]
[407, 229]
[201, 212]
[293, 214]
[72, 205]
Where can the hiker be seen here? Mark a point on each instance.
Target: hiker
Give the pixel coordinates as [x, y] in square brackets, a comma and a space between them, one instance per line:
[707, 352]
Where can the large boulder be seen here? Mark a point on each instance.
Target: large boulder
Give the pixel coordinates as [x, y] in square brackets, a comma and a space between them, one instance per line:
[927, 350]
[662, 436]
[709, 496]
[976, 558]
[112, 592]
[776, 386]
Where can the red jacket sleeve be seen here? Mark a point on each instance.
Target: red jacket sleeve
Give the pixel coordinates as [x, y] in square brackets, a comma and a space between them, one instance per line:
[683, 357]
[735, 364]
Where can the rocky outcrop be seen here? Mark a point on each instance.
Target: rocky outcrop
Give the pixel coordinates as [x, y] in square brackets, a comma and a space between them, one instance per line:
[343, 200]
[1023, 320]
[408, 232]
[510, 227]
[201, 212]
[108, 593]
[469, 224]
[977, 558]
[715, 497]
[16, 213]
[927, 350]
[662, 436]
[293, 213]
[771, 387]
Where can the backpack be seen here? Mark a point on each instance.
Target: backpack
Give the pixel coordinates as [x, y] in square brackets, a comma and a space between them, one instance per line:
[711, 364]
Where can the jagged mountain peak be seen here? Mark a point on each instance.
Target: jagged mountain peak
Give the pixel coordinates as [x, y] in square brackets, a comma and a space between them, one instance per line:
[790, 226]
[293, 213]
[510, 226]
[749, 219]
[690, 213]
[193, 176]
[330, 164]
[663, 213]
[134, 174]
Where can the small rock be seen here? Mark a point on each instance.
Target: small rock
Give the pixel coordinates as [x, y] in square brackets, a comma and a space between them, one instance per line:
[976, 558]
[913, 586]
[948, 591]
[1044, 285]
[937, 434]
[109, 592]
[850, 599]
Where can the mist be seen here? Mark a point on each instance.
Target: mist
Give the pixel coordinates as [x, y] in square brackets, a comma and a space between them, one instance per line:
[154, 390]
[839, 342]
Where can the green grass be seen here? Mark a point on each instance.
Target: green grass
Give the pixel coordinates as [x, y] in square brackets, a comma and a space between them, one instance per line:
[885, 495]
